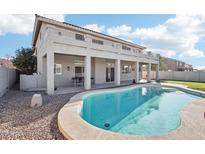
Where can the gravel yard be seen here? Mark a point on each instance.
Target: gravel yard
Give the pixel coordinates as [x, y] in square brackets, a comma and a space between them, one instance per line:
[19, 121]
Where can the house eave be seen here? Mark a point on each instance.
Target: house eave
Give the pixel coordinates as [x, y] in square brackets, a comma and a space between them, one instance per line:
[40, 19]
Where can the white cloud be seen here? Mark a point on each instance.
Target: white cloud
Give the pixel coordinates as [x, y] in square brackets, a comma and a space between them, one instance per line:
[200, 67]
[58, 17]
[95, 27]
[21, 23]
[177, 36]
[166, 53]
[194, 53]
[122, 30]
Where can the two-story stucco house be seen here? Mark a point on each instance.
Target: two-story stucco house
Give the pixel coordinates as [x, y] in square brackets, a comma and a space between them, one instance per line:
[69, 55]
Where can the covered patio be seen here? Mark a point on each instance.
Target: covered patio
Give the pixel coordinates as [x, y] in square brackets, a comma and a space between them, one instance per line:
[70, 73]
[66, 73]
[71, 89]
[74, 73]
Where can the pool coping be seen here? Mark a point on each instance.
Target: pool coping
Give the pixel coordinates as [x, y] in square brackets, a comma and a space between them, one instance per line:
[72, 126]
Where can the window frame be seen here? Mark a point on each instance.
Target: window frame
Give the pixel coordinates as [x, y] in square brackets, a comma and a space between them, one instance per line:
[124, 47]
[96, 41]
[58, 69]
[79, 37]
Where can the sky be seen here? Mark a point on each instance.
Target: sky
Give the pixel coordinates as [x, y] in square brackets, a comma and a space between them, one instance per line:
[176, 36]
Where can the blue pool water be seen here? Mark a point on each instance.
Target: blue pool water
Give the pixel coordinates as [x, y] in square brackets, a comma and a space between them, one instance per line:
[138, 111]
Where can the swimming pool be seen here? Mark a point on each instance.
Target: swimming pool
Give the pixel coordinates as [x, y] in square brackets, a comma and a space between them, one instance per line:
[147, 110]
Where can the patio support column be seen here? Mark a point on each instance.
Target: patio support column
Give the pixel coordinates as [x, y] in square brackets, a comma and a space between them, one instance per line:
[117, 71]
[149, 71]
[137, 71]
[50, 72]
[157, 72]
[87, 72]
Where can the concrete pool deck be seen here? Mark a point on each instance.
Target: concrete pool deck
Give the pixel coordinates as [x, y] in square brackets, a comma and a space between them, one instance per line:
[72, 126]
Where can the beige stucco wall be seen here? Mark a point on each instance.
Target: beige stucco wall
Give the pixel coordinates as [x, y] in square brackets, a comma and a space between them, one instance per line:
[66, 43]
[54, 40]
[30, 81]
[98, 72]
[181, 75]
[65, 79]
[40, 48]
[7, 79]
[98, 69]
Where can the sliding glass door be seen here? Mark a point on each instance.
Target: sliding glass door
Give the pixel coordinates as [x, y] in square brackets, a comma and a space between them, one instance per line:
[110, 72]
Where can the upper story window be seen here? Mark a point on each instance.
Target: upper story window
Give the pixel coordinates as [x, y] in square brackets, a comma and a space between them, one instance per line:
[97, 41]
[126, 48]
[79, 37]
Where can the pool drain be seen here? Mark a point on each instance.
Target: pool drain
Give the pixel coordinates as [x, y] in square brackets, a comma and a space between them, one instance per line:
[107, 125]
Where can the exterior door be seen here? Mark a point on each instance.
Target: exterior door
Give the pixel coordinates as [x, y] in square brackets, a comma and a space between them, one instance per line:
[110, 73]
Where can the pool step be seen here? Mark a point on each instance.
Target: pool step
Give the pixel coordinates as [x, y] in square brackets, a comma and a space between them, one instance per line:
[138, 113]
[166, 89]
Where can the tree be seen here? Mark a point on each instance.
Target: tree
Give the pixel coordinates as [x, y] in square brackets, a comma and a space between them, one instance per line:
[25, 61]
[162, 64]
